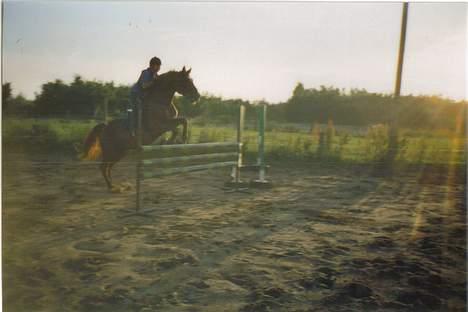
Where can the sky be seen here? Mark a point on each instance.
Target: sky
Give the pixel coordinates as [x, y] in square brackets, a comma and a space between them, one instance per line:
[249, 50]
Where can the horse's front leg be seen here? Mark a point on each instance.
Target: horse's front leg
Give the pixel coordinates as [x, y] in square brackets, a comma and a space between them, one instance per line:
[172, 126]
[174, 133]
[184, 130]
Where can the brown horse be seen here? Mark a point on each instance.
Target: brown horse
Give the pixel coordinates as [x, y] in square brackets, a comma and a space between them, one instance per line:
[111, 142]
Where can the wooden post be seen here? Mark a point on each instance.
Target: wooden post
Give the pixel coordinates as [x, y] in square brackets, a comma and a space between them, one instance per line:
[393, 128]
[401, 51]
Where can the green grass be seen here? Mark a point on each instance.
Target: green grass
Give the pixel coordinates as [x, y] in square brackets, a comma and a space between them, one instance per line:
[416, 147]
[53, 134]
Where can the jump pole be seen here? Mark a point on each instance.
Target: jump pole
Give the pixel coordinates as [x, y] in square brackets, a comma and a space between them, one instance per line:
[139, 165]
[236, 184]
[261, 122]
[213, 147]
[236, 174]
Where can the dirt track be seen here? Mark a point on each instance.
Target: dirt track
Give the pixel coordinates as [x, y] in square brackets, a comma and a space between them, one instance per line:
[323, 239]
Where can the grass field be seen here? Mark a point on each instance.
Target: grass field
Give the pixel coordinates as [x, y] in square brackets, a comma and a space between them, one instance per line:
[282, 142]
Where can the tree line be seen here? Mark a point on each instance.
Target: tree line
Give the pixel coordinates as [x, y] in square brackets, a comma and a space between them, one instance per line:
[361, 108]
[89, 99]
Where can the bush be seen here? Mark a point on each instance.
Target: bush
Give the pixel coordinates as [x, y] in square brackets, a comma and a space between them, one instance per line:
[51, 134]
[376, 144]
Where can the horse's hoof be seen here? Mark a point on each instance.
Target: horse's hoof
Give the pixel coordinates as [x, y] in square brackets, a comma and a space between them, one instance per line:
[126, 186]
[116, 190]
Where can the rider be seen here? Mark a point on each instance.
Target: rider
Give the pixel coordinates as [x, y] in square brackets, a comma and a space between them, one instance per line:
[137, 92]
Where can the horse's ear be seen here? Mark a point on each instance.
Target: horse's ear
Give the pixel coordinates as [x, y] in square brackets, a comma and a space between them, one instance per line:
[188, 71]
[183, 69]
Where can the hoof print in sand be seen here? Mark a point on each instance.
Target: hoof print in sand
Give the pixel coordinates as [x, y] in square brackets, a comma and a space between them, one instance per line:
[432, 283]
[357, 290]
[268, 299]
[165, 264]
[419, 299]
[241, 280]
[98, 246]
[272, 292]
[199, 284]
[354, 291]
[182, 259]
[118, 300]
[323, 278]
[381, 242]
[331, 252]
[86, 265]
[316, 283]
[260, 306]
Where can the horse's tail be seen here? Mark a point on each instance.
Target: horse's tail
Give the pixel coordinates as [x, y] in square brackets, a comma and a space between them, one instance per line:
[92, 144]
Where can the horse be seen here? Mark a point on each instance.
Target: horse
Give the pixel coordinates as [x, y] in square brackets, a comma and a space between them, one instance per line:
[110, 142]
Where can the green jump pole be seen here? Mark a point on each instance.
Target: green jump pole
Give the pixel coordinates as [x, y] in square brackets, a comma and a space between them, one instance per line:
[182, 160]
[187, 169]
[189, 148]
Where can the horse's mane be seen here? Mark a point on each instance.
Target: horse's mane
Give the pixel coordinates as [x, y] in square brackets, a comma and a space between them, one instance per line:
[168, 74]
[162, 82]
[167, 81]
[166, 78]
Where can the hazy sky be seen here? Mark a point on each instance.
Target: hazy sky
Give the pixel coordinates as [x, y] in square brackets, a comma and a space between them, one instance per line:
[249, 50]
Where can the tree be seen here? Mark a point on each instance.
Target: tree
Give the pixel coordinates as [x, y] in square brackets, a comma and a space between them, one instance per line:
[20, 106]
[6, 96]
[52, 100]
[298, 90]
[80, 98]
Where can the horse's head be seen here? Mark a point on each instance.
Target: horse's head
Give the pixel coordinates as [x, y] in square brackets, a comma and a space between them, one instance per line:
[184, 85]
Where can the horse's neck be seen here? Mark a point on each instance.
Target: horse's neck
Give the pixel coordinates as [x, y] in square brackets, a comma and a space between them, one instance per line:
[162, 95]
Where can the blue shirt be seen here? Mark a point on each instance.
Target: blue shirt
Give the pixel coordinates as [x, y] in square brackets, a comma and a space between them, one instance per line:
[145, 76]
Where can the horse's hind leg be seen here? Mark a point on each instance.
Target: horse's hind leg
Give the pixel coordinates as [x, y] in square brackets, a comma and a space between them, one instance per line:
[111, 157]
[109, 174]
[106, 169]
[109, 170]
[106, 174]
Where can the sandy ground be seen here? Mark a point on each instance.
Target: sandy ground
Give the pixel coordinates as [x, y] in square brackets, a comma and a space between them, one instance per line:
[322, 239]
